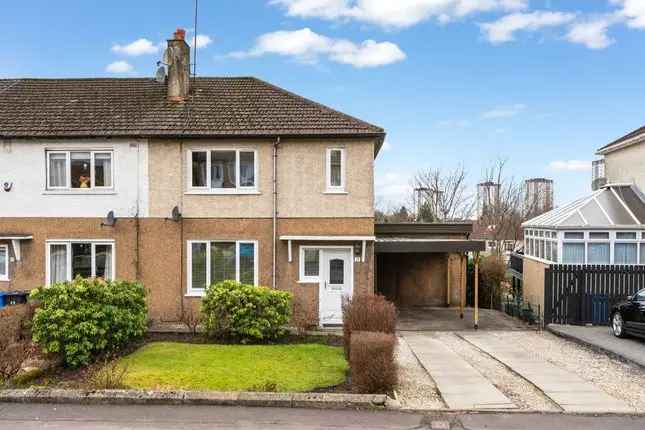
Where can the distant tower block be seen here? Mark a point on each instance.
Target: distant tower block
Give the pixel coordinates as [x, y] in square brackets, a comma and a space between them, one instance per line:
[487, 197]
[538, 196]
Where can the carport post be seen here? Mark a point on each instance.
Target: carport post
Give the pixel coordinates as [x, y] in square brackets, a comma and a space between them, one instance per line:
[462, 285]
[476, 290]
[448, 281]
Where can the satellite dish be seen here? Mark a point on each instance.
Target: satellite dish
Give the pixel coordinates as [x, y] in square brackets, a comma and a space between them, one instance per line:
[160, 76]
[176, 215]
[110, 220]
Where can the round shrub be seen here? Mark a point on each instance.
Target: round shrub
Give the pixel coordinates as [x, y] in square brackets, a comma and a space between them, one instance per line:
[86, 317]
[245, 312]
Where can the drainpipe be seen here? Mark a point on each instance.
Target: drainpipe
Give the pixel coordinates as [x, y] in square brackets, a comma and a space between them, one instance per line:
[275, 210]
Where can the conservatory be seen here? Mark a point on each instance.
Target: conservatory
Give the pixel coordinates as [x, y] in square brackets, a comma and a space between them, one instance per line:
[603, 228]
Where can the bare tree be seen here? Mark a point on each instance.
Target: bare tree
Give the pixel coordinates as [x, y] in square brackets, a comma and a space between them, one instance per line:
[500, 210]
[442, 196]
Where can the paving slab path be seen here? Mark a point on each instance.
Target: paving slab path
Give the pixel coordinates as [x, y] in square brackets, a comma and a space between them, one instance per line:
[567, 389]
[461, 385]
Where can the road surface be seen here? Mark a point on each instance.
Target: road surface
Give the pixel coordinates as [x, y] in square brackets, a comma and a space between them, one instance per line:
[80, 417]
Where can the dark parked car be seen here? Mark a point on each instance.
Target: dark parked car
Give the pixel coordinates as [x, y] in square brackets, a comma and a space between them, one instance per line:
[629, 317]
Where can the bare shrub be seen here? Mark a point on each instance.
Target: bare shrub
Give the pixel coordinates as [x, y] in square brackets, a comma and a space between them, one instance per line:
[367, 312]
[15, 338]
[109, 376]
[191, 318]
[493, 272]
[372, 362]
[303, 317]
[11, 357]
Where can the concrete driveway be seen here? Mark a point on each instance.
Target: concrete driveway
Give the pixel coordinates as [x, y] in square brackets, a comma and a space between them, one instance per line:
[447, 319]
[631, 349]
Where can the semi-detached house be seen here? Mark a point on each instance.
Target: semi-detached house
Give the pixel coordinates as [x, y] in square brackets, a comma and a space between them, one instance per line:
[183, 183]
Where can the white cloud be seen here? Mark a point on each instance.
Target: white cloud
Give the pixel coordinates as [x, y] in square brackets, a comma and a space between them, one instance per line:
[392, 187]
[119, 67]
[633, 11]
[504, 29]
[592, 34]
[203, 41]
[136, 48]
[308, 46]
[387, 146]
[399, 13]
[570, 165]
[504, 111]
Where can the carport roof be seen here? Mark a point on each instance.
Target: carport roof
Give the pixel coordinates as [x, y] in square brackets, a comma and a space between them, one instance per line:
[390, 245]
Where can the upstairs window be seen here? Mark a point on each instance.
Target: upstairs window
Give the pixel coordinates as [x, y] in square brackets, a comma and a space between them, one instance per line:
[79, 170]
[335, 169]
[223, 170]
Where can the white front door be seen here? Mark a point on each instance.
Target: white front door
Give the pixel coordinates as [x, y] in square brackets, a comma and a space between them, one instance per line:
[336, 283]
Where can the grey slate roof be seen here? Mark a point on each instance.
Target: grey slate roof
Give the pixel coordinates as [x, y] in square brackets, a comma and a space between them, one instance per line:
[617, 206]
[218, 107]
[634, 134]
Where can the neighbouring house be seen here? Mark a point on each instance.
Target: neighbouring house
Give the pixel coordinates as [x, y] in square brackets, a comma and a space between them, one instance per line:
[623, 160]
[581, 245]
[184, 183]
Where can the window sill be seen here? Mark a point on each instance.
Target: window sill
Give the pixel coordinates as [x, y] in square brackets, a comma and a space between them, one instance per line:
[4, 279]
[335, 192]
[194, 295]
[308, 282]
[78, 193]
[221, 193]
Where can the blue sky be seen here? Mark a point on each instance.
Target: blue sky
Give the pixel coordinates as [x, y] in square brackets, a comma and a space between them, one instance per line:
[542, 83]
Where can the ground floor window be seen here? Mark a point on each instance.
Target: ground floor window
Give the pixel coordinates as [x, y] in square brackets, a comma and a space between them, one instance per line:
[4, 263]
[210, 262]
[85, 258]
[309, 264]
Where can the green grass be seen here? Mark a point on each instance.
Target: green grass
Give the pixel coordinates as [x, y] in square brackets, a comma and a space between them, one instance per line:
[298, 367]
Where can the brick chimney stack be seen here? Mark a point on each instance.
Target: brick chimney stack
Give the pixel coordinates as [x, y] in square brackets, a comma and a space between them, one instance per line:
[178, 67]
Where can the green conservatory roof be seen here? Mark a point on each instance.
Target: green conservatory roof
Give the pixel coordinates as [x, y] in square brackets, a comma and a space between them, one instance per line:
[614, 205]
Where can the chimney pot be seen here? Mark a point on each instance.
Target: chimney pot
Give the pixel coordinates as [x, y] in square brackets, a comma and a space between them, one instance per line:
[180, 34]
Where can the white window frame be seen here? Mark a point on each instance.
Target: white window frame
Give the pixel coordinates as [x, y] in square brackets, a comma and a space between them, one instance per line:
[208, 189]
[5, 277]
[308, 279]
[590, 241]
[68, 246]
[617, 241]
[68, 170]
[343, 168]
[579, 241]
[199, 292]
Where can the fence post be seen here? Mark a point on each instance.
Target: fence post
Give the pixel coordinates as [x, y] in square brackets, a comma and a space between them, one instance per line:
[548, 294]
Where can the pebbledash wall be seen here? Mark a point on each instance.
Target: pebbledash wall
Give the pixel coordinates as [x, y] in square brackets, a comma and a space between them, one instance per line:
[151, 177]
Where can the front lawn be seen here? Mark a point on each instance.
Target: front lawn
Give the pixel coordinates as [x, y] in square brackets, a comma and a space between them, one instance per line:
[171, 365]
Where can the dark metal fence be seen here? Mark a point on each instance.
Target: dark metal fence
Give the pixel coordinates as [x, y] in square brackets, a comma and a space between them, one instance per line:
[584, 294]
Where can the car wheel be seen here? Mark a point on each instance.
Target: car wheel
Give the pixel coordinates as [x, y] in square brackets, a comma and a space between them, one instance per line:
[618, 325]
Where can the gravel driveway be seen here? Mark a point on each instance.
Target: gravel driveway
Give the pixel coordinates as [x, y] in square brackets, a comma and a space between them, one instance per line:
[621, 380]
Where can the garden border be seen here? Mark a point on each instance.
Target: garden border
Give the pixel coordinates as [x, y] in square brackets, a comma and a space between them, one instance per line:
[212, 398]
